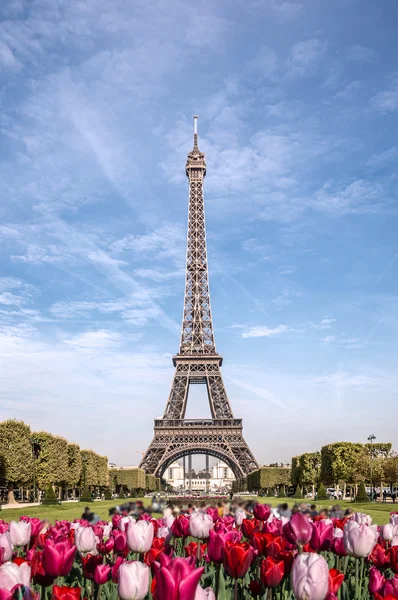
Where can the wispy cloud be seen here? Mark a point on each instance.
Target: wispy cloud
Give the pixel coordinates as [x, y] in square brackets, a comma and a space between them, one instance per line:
[265, 331]
[343, 379]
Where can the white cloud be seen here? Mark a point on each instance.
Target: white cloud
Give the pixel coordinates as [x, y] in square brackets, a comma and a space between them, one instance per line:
[329, 339]
[359, 197]
[383, 158]
[305, 57]
[385, 102]
[325, 323]
[7, 59]
[361, 54]
[265, 331]
[343, 379]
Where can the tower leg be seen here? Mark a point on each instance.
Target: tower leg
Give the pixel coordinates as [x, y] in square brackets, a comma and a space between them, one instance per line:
[207, 475]
[190, 472]
[184, 473]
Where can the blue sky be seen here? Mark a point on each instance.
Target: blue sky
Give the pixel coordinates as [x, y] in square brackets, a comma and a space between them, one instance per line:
[298, 106]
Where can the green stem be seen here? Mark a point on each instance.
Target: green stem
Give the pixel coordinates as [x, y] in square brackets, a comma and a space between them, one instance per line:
[236, 590]
[198, 553]
[356, 578]
[217, 581]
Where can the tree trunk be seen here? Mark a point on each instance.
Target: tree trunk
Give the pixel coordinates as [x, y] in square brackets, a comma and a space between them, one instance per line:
[11, 497]
[344, 490]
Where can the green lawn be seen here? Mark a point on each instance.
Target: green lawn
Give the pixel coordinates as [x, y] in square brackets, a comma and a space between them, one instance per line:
[69, 510]
[379, 512]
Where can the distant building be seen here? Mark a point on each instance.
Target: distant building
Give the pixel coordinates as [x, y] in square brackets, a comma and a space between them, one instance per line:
[220, 477]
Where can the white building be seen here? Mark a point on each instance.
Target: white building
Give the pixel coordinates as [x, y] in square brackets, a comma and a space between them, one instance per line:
[221, 477]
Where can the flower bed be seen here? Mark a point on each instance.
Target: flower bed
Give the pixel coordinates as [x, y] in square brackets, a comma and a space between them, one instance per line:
[201, 557]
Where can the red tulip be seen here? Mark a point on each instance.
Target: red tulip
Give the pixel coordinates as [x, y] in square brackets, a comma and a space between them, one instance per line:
[249, 526]
[57, 558]
[261, 511]
[288, 559]
[65, 593]
[376, 580]
[217, 542]
[106, 547]
[298, 530]
[271, 572]
[176, 579]
[101, 574]
[255, 588]
[192, 550]
[120, 539]
[322, 535]
[380, 557]
[237, 558]
[39, 575]
[90, 563]
[154, 552]
[180, 527]
[335, 580]
[394, 558]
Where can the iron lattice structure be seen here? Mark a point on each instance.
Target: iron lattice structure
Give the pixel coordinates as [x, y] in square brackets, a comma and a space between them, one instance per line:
[197, 361]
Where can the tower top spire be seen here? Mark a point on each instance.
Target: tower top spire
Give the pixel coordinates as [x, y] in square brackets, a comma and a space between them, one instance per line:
[195, 132]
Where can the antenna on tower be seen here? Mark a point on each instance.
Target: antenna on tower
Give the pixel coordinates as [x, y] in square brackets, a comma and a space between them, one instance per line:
[195, 132]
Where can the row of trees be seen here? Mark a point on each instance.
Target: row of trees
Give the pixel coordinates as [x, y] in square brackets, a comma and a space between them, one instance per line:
[34, 460]
[133, 482]
[264, 479]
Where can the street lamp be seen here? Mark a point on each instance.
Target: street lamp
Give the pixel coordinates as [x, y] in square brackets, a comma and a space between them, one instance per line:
[370, 439]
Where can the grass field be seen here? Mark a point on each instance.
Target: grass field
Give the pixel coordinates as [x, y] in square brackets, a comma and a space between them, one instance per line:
[379, 512]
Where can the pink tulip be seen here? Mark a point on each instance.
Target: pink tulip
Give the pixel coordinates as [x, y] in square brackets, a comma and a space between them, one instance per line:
[322, 534]
[85, 539]
[124, 523]
[298, 530]
[11, 575]
[133, 580]
[261, 511]
[274, 527]
[101, 574]
[362, 518]
[58, 558]
[239, 516]
[204, 594]
[213, 512]
[217, 543]
[20, 533]
[310, 577]
[359, 540]
[200, 524]
[387, 532]
[376, 580]
[6, 546]
[176, 579]
[3, 526]
[180, 527]
[391, 587]
[140, 536]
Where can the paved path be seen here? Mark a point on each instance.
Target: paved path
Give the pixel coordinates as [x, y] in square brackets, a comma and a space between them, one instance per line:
[29, 504]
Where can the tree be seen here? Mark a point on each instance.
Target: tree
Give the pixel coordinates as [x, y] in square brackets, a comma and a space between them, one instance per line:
[391, 469]
[309, 469]
[322, 493]
[362, 495]
[49, 498]
[75, 465]
[338, 462]
[52, 461]
[16, 455]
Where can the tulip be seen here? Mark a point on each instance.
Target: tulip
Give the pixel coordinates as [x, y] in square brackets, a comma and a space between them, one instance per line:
[101, 574]
[394, 558]
[85, 539]
[200, 524]
[140, 536]
[192, 550]
[89, 563]
[335, 580]
[154, 552]
[387, 532]
[124, 523]
[106, 547]
[12, 574]
[362, 519]
[176, 579]
[391, 587]
[133, 581]
[239, 516]
[271, 572]
[213, 512]
[120, 540]
[36, 525]
[20, 533]
[180, 527]
[261, 511]
[298, 530]
[66, 593]
[274, 526]
[322, 535]
[237, 558]
[57, 559]
[169, 520]
[204, 594]
[380, 557]
[115, 568]
[217, 542]
[376, 580]
[255, 588]
[310, 577]
[249, 526]
[359, 540]
[39, 575]
[6, 546]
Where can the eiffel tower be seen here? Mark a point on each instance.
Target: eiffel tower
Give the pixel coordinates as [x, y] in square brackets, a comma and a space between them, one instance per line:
[197, 362]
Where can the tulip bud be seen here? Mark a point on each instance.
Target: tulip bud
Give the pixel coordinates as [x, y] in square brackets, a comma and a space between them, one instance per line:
[298, 530]
[200, 525]
[140, 536]
[101, 574]
[386, 532]
[261, 511]
[85, 539]
[133, 581]
[204, 594]
[310, 577]
[12, 574]
[20, 533]
[359, 540]
[6, 546]
[376, 580]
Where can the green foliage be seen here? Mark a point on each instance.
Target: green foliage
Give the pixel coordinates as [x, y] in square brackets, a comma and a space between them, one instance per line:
[269, 477]
[295, 471]
[122, 495]
[281, 491]
[52, 462]
[132, 479]
[338, 462]
[150, 482]
[309, 468]
[108, 494]
[391, 468]
[158, 484]
[322, 493]
[50, 497]
[86, 495]
[95, 468]
[381, 449]
[74, 464]
[15, 452]
[271, 492]
[361, 495]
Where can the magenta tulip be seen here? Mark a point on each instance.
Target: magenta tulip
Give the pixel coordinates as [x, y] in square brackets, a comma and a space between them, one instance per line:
[376, 580]
[359, 540]
[176, 579]
[101, 574]
[200, 524]
[213, 512]
[140, 536]
[261, 511]
[310, 577]
[322, 534]
[57, 558]
[133, 581]
[180, 527]
[391, 587]
[298, 530]
[120, 540]
[217, 542]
